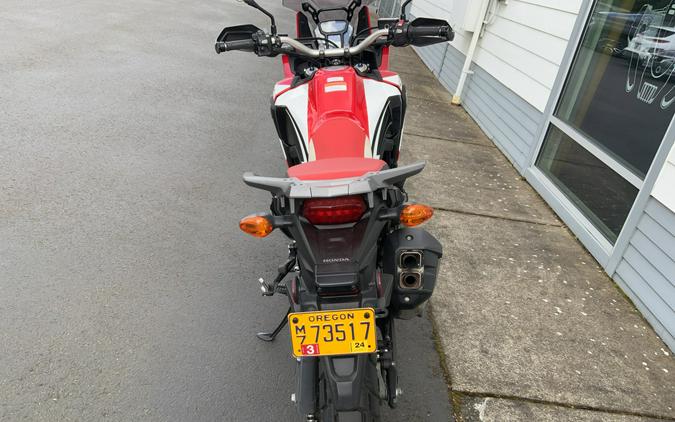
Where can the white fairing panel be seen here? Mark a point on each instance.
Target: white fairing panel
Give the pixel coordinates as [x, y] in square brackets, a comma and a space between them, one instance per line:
[377, 96]
[395, 79]
[280, 87]
[297, 102]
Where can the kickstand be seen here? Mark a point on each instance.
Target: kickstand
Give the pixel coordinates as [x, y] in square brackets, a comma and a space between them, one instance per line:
[271, 336]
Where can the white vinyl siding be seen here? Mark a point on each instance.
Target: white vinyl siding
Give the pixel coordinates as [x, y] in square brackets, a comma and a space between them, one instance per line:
[647, 270]
[522, 48]
[509, 120]
[664, 189]
[450, 10]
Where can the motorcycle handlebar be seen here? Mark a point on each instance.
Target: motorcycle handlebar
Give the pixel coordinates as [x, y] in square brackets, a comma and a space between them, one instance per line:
[430, 31]
[243, 45]
[397, 36]
[334, 52]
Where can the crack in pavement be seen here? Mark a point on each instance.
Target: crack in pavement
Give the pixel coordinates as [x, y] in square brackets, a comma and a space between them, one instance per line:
[498, 217]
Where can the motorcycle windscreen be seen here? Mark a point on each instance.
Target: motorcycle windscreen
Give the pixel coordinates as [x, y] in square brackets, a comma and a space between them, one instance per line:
[324, 5]
[321, 4]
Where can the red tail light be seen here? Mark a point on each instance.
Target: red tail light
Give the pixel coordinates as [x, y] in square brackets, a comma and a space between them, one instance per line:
[342, 210]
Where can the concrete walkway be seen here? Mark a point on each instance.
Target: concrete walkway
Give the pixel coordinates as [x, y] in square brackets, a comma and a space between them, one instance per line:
[529, 327]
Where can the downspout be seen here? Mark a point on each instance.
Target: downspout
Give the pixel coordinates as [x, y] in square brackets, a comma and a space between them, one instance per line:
[466, 70]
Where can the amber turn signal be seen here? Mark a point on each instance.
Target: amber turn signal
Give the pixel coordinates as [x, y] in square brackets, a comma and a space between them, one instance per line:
[256, 225]
[415, 214]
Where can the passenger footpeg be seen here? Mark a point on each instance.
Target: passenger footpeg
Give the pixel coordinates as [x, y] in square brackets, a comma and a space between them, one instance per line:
[265, 288]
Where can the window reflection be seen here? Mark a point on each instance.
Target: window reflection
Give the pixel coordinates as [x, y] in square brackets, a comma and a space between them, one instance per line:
[651, 51]
[620, 90]
[600, 193]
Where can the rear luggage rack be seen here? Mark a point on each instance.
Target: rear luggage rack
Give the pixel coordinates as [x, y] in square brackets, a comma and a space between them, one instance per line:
[370, 182]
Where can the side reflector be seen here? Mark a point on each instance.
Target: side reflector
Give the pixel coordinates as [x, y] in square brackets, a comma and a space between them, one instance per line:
[256, 225]
[416, 214]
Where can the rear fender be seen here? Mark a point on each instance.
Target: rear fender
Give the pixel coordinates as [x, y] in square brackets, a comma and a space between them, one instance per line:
[345, 380]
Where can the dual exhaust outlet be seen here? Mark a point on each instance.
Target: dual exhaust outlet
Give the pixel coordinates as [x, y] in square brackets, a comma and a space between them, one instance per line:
[411, 270]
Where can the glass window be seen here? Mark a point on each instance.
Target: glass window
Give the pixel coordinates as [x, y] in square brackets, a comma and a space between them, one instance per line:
[619, 97]
[621, 87]
[599, 192]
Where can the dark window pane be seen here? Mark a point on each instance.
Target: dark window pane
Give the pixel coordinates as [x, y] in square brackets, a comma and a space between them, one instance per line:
[621, 89]
[599, 192]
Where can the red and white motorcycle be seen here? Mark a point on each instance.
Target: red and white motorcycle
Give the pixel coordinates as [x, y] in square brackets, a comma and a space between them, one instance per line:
[356, 260]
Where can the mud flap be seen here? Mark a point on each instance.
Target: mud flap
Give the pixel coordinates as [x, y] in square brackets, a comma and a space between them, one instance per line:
[347, 381]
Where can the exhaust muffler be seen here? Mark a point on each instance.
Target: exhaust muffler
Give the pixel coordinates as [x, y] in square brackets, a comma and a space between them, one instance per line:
[410, 260]
[411, 257]
[410, 281]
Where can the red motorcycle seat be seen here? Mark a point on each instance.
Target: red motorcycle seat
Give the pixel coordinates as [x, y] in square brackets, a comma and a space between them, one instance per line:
[336, 168]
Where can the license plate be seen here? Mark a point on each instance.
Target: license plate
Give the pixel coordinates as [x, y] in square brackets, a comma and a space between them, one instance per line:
[331, 333]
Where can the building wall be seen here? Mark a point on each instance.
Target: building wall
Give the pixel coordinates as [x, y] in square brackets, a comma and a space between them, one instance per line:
[523, 46]
[516, 64]
[514, 69]
[510, 121]
[647, 269]
[664, 189]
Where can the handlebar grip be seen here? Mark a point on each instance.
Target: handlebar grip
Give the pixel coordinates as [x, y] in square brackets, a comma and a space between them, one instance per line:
[444, 32]
[243, 45]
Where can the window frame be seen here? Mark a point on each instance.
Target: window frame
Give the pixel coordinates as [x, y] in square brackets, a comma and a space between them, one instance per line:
[607, 254]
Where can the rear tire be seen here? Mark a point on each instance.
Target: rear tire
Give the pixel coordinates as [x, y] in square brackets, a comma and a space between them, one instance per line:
[370, 398]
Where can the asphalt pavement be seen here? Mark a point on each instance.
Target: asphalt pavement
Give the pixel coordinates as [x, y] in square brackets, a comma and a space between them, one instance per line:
[127, 293]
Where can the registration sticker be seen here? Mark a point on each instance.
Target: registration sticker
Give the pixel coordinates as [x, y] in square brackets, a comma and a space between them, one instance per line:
[335, 87]
[309, 349]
